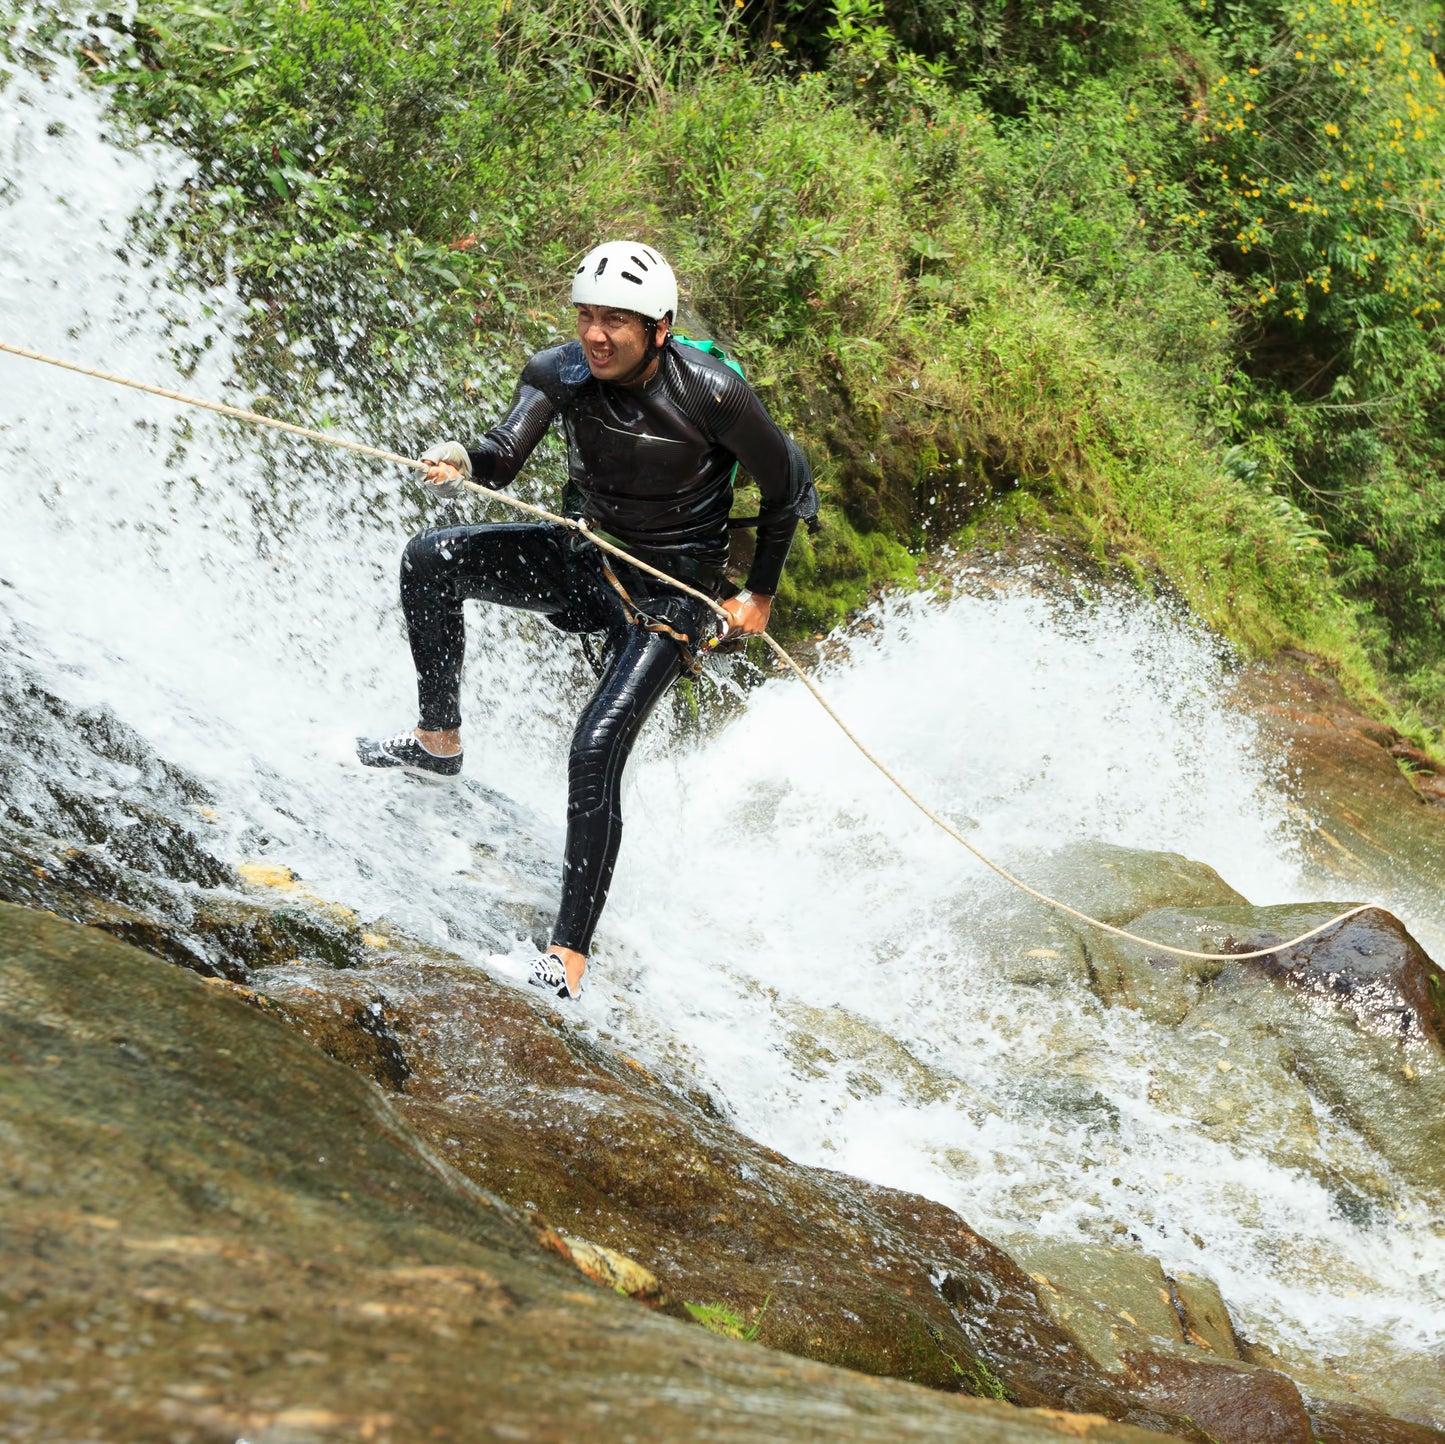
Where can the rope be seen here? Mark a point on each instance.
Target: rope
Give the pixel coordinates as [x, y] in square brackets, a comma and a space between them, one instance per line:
[256, 419]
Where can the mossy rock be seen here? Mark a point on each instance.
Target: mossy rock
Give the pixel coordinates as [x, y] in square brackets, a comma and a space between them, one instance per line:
[1348, 1021]
[1033, 944]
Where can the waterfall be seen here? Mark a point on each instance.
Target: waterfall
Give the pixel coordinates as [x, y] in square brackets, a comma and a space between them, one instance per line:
[233, 599]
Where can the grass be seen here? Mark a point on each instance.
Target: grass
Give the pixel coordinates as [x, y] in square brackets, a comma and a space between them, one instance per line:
[727, 1322]
[976, 1378]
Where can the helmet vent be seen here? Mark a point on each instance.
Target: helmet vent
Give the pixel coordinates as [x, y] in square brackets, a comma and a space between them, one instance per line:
[629, 275]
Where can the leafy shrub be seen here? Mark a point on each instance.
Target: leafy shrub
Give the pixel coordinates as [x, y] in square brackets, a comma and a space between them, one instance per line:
[1322, 149]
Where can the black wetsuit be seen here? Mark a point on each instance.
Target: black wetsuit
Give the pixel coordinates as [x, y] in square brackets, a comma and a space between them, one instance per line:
[652, 466]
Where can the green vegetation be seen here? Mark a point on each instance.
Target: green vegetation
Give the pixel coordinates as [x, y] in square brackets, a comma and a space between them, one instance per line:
[1165, 274]
[720, 1319]
[976, 1378]
[981, 1381]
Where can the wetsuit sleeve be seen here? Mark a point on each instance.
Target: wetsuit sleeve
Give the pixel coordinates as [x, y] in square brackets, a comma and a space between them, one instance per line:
[746, 430]
[512, 440]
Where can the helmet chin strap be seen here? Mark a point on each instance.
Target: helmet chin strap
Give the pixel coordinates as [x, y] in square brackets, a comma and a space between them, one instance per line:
[650, 353]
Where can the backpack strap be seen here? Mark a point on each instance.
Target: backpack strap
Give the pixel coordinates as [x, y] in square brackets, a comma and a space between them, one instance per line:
[805, 493]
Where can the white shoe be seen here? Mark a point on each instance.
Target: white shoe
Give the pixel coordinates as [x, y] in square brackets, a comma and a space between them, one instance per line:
[404, 750]
[548, 972]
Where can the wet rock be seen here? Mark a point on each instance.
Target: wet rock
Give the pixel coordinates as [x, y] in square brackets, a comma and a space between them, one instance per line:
[360, 1034]
[1204, 1315]
[615, 1271]
[1157, 1332]
[216, 930]
[1115, 884]
[1032, 944]
[646, 1166]
[1162, 987]
[266, 936]
[214, 1232]
[82, 777]
[96, 827]
[832, 1043]
[875, 1278]
[1364, 819]
[600, 1146]
[1336, 1423]
[1348, 1022]
[603, 1149]
[85, 887]
[1108, 1301]
[1369, 966]
[1225, 1401]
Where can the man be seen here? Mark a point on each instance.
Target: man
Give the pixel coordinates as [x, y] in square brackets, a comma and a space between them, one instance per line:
[655, 431]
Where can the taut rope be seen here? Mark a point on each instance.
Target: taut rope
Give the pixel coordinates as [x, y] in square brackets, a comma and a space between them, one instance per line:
[256, 419]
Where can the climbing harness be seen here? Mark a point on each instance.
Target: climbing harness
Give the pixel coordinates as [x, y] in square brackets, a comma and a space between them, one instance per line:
[639, 618]
[582, 528]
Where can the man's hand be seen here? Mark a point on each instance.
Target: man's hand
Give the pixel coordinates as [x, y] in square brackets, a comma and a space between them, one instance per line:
[747, 616]
[450, 466]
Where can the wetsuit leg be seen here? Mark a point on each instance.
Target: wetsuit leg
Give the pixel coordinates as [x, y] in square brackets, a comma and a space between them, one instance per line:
[536, 568]
[517, 565]
[643, 666]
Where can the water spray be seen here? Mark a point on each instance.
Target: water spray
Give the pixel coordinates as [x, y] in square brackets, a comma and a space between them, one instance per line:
[255, 418]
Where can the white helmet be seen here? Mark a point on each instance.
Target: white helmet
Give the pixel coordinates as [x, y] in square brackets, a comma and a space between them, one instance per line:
[628, 275]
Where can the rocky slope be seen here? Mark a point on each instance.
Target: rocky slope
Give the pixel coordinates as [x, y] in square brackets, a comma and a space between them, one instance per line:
[172, 1237]
[1372, 805]
[212, 1230]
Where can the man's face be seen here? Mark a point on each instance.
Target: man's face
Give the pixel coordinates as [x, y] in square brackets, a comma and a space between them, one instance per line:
[614, 340]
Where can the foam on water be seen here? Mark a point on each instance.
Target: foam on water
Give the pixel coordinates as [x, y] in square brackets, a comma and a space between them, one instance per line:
[234, 600]
[823, 886]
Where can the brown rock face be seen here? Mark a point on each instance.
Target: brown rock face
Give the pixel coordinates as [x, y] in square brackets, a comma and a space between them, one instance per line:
[1349, 1021]
[212, 1231]
[1341, 1424]
[872, 1278]
[209, 1236]
[1372, 816]
[595, 1144]
[1226, 1403]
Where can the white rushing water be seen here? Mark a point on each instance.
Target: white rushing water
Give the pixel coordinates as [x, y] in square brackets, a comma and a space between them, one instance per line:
[247, 626]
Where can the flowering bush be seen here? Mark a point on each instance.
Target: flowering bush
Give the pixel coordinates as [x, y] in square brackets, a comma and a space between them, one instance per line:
[1322, 158]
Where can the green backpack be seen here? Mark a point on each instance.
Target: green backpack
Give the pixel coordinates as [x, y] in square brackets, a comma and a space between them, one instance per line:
[806, 494]
[711, 348]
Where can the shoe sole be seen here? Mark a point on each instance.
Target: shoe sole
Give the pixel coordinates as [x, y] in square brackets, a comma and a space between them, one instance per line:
[429, 772]
[406, 769]
[424, 772]
[561, 992]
